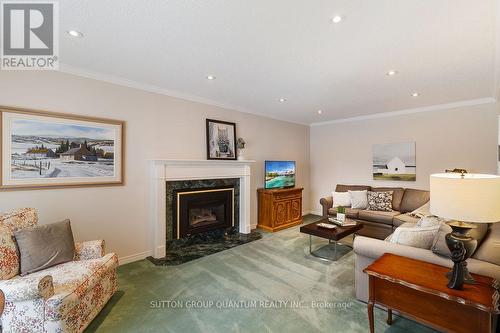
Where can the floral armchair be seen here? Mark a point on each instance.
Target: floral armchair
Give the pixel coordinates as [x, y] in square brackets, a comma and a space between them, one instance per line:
[62, 298]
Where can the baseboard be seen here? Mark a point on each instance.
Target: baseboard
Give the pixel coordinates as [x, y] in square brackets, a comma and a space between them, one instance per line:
[133, 257]
[313, 212]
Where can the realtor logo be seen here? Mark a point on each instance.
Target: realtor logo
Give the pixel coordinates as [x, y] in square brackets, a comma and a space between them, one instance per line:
[29, 34]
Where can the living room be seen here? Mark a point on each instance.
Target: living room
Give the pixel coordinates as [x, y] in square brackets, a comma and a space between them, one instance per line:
[332, 91]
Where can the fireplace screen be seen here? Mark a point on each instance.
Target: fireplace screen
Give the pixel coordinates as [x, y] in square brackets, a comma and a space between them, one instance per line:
[204, 210]
[206, 214]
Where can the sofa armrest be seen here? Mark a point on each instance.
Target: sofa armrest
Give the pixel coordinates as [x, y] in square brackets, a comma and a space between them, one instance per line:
[375, 248]
[327, 203]
[89, 250]
[28, 287]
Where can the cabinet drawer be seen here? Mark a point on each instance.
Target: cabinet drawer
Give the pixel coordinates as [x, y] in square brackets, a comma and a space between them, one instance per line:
[287, 196]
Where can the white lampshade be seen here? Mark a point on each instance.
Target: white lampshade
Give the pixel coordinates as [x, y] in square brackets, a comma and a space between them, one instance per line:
[467, 198]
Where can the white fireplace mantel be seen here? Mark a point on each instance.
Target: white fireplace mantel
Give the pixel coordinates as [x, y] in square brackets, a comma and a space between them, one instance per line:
[163, 170]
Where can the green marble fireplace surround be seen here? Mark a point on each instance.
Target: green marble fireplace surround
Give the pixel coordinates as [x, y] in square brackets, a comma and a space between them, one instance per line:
[172, 187]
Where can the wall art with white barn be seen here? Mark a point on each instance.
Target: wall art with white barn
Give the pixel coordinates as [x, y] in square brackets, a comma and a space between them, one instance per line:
[395, 161]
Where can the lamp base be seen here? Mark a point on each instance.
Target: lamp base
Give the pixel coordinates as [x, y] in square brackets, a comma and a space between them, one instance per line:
[461, 246]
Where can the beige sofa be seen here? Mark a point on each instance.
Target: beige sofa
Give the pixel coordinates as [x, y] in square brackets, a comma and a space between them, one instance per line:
[381, 224]
[369, 243]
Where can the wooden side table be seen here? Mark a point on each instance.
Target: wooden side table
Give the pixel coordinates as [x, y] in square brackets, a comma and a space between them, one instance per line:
[418, 290]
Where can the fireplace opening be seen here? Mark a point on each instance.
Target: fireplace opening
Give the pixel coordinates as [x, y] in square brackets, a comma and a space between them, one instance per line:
[198, 211]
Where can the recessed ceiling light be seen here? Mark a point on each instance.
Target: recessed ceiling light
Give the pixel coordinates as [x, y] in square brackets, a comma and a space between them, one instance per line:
[74, 33]
[282, 99]
[415, 94]
[337, 19]
[391, 73]
[211, 77]
[320, 111]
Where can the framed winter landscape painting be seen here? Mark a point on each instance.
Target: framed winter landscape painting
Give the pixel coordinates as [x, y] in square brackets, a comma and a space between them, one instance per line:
[221, 140]
[395, 161]
[43, 149]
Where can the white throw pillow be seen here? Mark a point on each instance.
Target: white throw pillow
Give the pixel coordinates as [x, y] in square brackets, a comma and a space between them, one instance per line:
[341, 199]
[429, 221]
[417, 237]
[359, 199]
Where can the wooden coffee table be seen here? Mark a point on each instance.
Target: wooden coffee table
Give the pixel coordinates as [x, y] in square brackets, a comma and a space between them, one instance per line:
[333, 235]
[418, 290]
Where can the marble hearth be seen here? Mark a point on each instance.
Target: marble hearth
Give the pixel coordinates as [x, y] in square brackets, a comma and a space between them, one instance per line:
[196, 173]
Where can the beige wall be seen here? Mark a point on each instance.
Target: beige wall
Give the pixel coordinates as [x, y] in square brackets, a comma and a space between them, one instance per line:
[158, 126]
[454, 138]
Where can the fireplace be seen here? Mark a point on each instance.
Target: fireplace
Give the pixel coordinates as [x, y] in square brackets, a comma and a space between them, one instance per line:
[203, 210]
[168, 176]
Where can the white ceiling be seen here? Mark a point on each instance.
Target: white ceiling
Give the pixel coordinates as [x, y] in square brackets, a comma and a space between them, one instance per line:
[261, 50]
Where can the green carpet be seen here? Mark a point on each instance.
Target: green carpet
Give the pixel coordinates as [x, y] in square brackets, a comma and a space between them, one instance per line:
[270, 285]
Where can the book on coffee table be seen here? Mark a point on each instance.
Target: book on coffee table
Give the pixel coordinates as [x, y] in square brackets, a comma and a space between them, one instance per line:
[345, 223]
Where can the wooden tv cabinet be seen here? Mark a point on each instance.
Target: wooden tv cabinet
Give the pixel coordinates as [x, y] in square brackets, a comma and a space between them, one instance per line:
[279, 208]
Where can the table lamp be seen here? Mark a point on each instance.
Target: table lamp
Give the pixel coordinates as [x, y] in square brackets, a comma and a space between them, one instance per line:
[464, 198]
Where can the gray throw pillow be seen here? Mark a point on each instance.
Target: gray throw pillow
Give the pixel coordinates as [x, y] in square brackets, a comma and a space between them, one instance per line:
[380, 201]
[439, 245]
[45, 246]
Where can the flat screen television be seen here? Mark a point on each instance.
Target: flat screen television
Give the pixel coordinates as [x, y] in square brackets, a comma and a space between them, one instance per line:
[280, 174]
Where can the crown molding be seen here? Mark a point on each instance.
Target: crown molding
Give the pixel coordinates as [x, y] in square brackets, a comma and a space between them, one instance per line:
[120, 81]
[437, 107]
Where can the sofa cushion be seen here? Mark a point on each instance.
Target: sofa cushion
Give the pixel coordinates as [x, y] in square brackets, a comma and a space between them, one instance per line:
[349, 212]
[341, 199]
[439, 245]
[421, 237]
[413, 199]
[397, 195]
[489, 249]
[404, 225]
[9, 223]
[404, 218]
[380, 201]
[359, 199]
[44, 246]
[377, 216]
[345, 188]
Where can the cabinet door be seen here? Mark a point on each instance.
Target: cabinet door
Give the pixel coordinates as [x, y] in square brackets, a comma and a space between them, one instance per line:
[296, 209]
[280, 212]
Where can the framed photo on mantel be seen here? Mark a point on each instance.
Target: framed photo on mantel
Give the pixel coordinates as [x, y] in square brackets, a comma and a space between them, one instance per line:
[221, 140]
[44, 150]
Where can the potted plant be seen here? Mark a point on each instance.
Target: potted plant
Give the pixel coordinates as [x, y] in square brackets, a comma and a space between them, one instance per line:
[341, 214]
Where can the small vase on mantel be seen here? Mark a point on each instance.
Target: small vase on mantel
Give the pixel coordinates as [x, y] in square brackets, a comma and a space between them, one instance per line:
[240, 144]
[241, 155]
